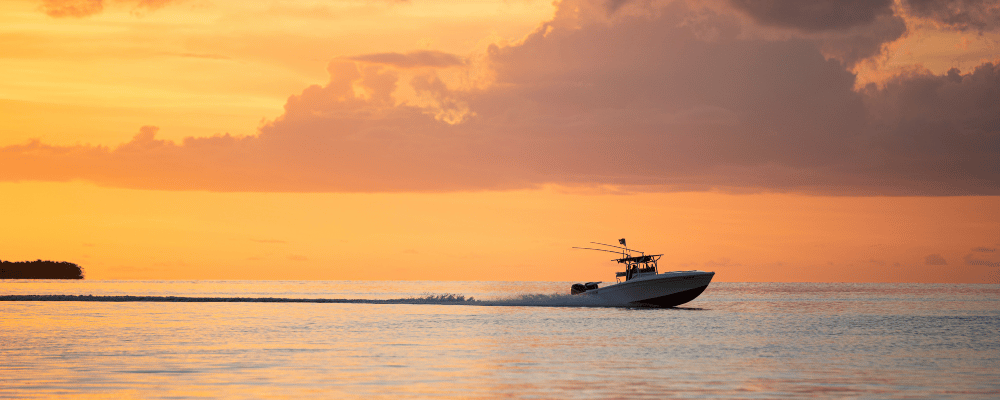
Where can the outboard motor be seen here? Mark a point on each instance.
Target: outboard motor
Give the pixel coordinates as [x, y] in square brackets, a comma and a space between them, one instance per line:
[578, 288]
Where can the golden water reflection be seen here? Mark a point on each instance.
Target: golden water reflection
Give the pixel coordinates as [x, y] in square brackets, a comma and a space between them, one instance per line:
[742, 340]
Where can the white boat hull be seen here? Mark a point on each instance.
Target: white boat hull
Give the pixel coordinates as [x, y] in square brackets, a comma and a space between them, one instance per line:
[669, 289]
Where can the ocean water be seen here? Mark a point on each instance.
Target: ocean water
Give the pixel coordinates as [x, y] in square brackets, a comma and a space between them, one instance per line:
[493, 340]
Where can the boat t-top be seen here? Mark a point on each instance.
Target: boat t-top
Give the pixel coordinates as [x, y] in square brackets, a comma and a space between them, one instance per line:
[642, 284]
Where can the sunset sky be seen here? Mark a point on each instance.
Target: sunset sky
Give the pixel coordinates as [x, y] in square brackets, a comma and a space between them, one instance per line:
[821, 141]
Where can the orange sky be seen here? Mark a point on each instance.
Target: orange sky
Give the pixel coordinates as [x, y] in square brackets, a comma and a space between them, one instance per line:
[479, 140]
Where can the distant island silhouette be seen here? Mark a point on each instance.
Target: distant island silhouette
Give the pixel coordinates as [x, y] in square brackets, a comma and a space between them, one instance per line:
[39, 269]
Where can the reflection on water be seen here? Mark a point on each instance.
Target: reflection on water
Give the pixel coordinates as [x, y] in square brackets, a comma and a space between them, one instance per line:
[737, 340]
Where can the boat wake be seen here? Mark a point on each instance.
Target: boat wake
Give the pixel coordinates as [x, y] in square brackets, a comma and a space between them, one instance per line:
[524, 300]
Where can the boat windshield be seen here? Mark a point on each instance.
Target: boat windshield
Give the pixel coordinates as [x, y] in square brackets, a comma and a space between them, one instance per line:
[634, 266]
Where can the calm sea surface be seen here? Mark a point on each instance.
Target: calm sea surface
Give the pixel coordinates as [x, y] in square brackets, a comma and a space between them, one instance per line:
[512, 340]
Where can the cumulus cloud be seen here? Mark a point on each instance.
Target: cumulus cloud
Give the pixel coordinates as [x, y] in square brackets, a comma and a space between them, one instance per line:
[83, 8]
[817, 15]
[850, 30]
[671, 99]
[962, 15]
[417, 59]
[861, 42]
[942, 129]
[935, 259]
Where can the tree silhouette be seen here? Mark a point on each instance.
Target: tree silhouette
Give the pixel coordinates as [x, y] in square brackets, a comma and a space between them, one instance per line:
[39, 269]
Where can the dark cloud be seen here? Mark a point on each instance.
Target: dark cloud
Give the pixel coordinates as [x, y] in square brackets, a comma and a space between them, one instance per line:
[984, 249]
[962, 15]
[425, 58]
[973, 261]
[941, 130]
[861, 42]
[814, 15]
[649, 102]
[613, 5]
[850, 30]
[935, 259]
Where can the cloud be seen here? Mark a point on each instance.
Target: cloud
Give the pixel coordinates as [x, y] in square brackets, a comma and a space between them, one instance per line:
[84, 8]
[935, 259]
[940, 129]
[861, 42]
[612, 6]
[817, 15]
[72, 8]
[961, 15]
[416, 59]
[973, 261]
[988, 257]
[671, 99]
[849, 31]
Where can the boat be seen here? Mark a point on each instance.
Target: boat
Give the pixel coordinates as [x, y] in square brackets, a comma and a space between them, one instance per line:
[642, 284]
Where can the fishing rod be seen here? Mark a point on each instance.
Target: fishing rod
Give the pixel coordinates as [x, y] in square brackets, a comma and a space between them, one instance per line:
[618, 247]
[589, 248]
[609, 245]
